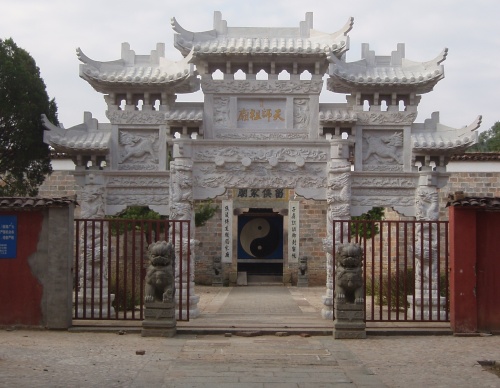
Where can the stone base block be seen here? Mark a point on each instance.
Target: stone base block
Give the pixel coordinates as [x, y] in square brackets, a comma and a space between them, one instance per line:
[302, 281]
[349, 321]
[159, 314]
[217, 281]
[159, 319]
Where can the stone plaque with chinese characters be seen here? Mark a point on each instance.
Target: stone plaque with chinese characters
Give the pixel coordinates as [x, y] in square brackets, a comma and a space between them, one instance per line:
[293, 232]
[261, 194]
[227, 231]
[261, 114]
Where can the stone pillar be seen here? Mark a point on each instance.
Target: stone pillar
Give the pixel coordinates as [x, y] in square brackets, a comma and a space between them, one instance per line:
[159, 293]
[349, 293]
[91, 199]
[182, 208]
[426, 258]
[338, 197]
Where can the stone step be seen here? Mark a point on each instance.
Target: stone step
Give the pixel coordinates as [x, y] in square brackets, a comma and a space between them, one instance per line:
[264, 279]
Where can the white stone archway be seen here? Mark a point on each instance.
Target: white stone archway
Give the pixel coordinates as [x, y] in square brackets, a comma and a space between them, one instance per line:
[263, 134]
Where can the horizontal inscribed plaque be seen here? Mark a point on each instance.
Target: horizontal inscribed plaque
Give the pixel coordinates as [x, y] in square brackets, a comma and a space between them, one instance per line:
[261, 114]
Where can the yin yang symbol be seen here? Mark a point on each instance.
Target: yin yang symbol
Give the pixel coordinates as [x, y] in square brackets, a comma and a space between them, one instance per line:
[258, 238]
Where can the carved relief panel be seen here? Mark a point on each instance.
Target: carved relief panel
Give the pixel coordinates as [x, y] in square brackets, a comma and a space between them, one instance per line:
[394, 190]
[138, 150]
[219, 168]
[382, 150]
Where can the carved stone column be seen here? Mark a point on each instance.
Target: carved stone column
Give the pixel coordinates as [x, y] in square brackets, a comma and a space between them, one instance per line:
[338, 197]
[182, 208]
[426, 258]
[93, 261]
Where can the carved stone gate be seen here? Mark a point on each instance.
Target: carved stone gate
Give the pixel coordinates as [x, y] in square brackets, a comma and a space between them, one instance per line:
[267, 131]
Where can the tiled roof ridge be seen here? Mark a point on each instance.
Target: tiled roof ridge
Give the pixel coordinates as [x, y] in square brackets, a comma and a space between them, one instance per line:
[35, 202]
[222, 39]
[483, 202]
[478, 156]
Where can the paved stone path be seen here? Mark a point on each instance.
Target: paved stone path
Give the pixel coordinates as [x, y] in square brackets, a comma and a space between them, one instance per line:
[66, 359]
[260, 300]
[62, 359]
[89, 359]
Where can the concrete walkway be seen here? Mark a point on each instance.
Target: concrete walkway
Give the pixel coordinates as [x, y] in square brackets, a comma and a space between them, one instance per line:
[120, 357]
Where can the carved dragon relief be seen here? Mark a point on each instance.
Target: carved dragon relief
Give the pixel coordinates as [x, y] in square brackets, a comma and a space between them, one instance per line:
[259, 154]
[261, 136]
[301, 114]
[389, 201]
[136, 117]
[258, 176]
[137, 199]
[139, 181]
[91, 199]
[383, 182]
[427, 204]
[221, 112]
[401, 118]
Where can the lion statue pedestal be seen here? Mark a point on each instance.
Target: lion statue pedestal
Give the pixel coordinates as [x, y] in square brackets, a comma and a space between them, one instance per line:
[159, 301]
[349, 294]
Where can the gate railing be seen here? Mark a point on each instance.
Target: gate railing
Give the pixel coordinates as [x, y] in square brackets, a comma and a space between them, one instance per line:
[111, 261]
[405, 268]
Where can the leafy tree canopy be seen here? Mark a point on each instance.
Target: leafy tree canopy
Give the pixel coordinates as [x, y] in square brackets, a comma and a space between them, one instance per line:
[367, 230]
[24, 158]
[489, 140]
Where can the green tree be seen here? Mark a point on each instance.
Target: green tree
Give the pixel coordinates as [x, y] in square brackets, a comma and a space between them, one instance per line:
[364, 230]
[24, 157]
[203, 212]
[489, 140]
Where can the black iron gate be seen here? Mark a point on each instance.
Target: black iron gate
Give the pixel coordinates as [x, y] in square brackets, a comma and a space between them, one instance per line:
[111, 261]
[405, 268]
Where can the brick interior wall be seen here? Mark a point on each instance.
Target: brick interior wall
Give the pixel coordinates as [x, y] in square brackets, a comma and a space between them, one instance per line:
[209, 247]
[473, 184]
[312, 233]
[58, 184]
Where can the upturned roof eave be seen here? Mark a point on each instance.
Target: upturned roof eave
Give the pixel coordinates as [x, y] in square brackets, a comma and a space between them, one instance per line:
[223, 40]
[340, 85]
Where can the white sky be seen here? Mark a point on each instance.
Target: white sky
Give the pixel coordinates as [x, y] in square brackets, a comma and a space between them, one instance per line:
[51, 30]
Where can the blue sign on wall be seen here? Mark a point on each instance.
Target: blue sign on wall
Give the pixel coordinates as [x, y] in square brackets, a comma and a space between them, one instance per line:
[8, 237]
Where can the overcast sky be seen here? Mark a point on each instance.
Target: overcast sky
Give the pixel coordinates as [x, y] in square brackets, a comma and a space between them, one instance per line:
[51, 30]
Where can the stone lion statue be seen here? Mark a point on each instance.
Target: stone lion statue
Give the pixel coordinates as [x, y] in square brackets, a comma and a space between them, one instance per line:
[160, 284]
[349, 274]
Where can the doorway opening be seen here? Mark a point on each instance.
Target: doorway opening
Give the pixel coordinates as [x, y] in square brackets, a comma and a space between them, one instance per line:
[260, 245]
